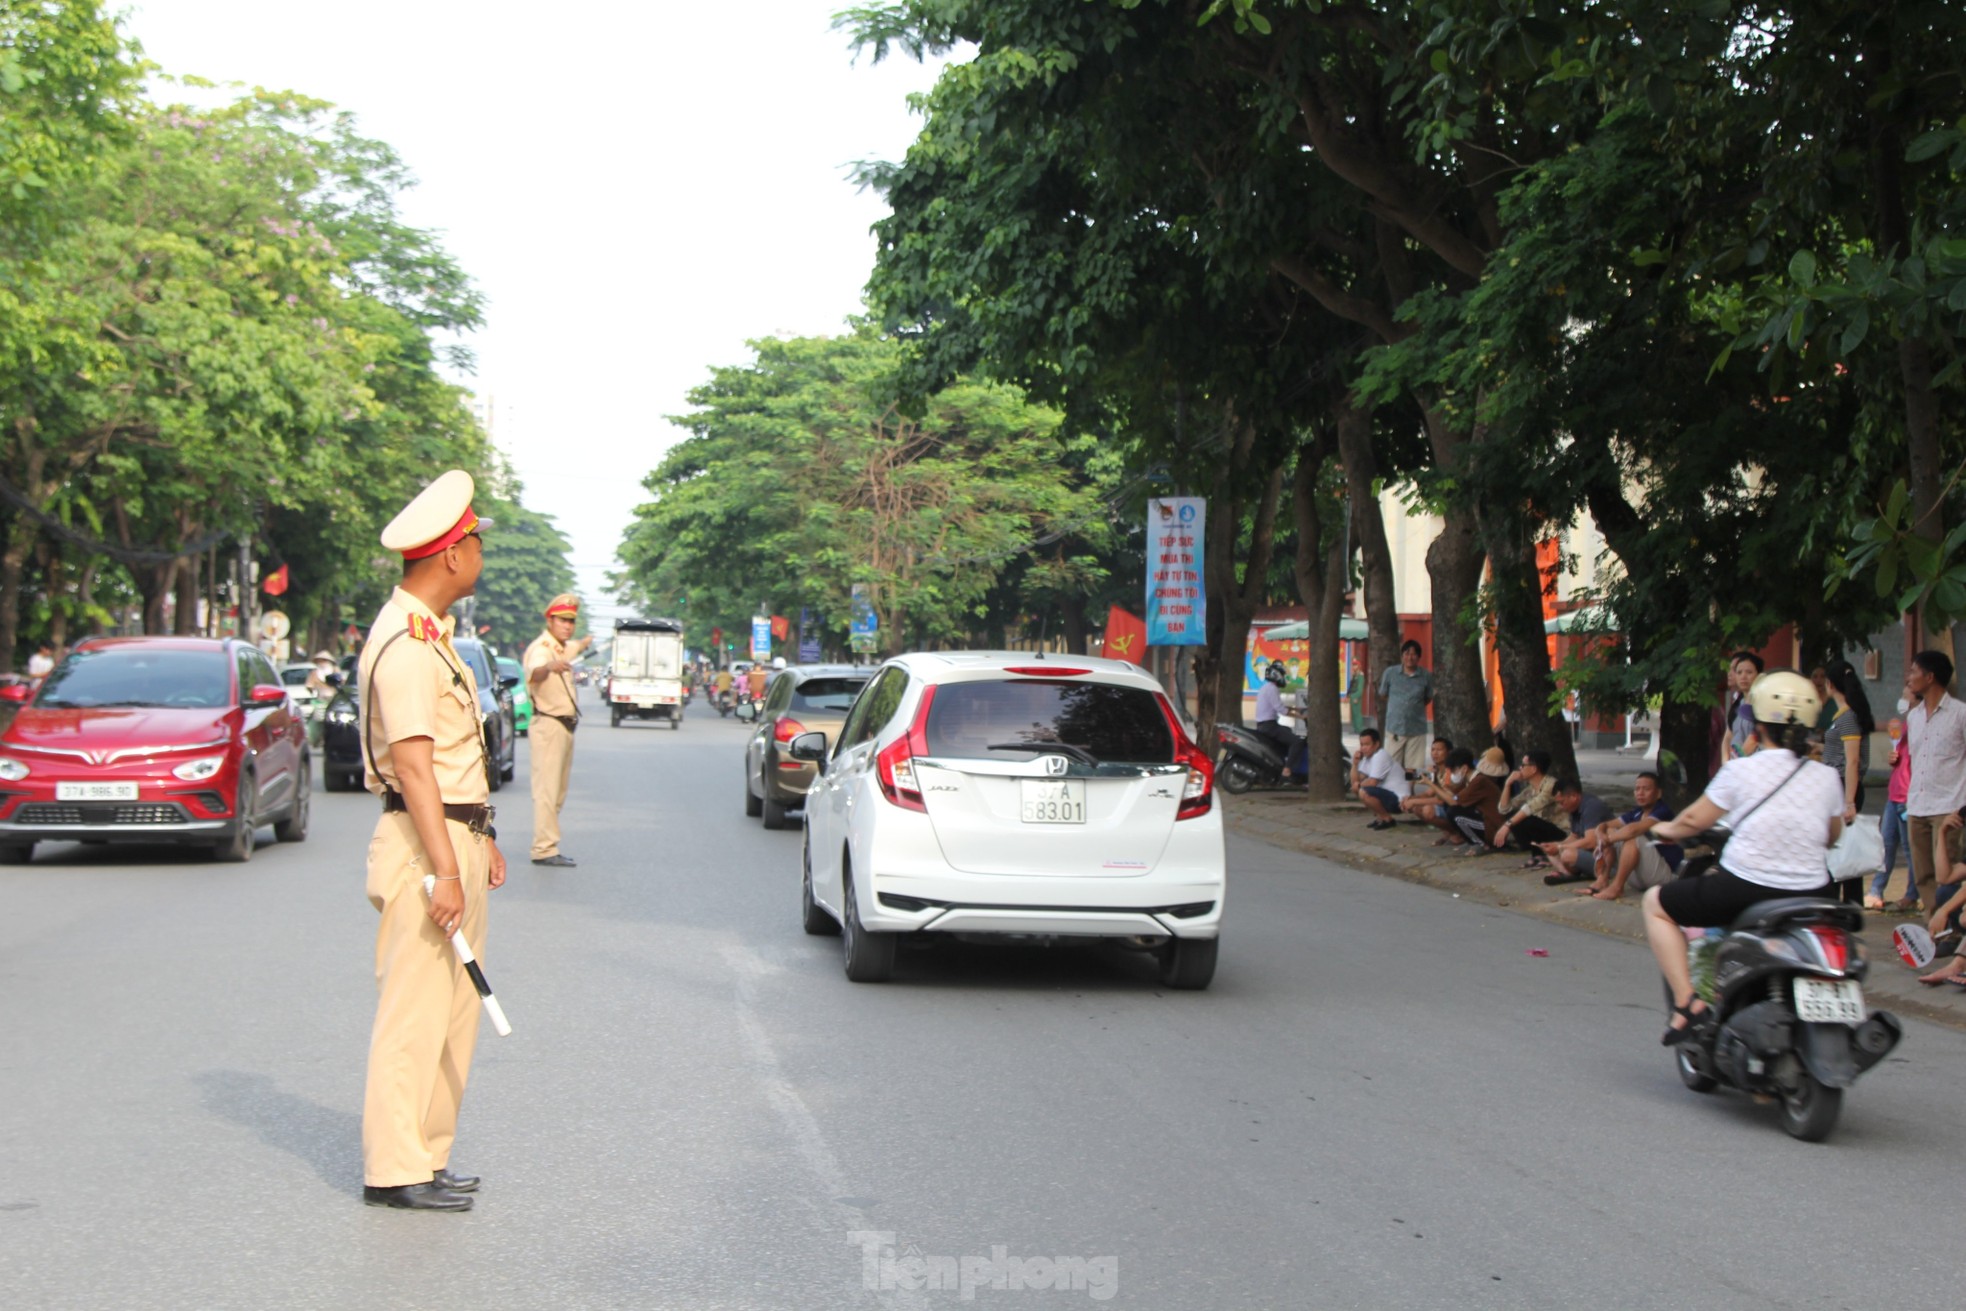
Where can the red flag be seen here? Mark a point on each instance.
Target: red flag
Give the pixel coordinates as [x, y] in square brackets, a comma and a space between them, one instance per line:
[781, 627]
[275, 583]
[1126, 636]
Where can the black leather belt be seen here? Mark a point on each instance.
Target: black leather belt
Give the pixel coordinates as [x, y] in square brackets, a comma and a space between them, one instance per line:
[477, 817]
[572, 722]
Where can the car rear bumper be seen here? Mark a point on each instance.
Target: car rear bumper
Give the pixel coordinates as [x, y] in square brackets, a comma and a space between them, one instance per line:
[1048, 906]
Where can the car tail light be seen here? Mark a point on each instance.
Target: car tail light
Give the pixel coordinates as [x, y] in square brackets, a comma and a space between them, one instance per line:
[1834, 943]
[787, 729]
[1198, 794]
[895, 765]
[1044, 671]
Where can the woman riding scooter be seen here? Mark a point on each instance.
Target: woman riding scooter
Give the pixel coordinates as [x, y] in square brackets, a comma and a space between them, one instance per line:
[1791, 813]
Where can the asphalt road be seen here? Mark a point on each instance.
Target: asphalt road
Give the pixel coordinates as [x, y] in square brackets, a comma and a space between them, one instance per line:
[1385, 1101]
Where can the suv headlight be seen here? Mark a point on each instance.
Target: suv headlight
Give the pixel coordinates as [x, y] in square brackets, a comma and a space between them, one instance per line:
[13, 771]
[196, 771]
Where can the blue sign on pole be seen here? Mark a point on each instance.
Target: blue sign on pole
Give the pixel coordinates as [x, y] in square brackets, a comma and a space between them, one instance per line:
[1177, 605]
[761, 637]
[866, 624]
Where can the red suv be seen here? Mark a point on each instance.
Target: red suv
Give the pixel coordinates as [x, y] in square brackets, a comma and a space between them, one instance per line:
[154, 739]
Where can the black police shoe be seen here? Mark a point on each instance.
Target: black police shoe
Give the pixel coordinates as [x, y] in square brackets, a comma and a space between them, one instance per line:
[563, 862]
[457, 1183]
[417, 1197]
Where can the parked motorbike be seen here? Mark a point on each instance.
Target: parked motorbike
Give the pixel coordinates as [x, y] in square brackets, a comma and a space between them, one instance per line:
[1785, 1013]
[1250, 761]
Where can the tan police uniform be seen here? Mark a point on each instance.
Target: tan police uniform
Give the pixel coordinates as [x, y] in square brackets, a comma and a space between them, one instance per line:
[413, 685]
[555, 711]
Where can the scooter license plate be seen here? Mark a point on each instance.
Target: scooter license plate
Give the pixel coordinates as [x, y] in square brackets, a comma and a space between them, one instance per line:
[1829, 1001]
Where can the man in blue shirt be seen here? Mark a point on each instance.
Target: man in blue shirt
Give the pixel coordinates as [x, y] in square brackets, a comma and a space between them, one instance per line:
[1641, 863]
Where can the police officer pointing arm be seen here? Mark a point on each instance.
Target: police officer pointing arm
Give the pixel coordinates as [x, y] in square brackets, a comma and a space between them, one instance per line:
[556, 713]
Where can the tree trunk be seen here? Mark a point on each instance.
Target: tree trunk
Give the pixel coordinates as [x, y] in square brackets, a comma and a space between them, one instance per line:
[20, 540]
[1928, 472]
[1232, 599]
[154, 583]
[1369, 529]
[1074, 624]
[1320, 569]
[1685, 730]
[57, 603]
[1454, 575]
[1522, 648]
[186, 624]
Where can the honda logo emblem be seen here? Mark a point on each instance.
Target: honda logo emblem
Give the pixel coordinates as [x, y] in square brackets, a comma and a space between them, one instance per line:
[1055, 765]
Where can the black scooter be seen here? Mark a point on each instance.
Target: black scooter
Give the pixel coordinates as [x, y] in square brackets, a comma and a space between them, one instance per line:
[1785, 1013]
[1249, 760]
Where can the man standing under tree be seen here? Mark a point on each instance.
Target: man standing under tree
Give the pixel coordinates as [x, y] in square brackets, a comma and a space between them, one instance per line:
[1935, 739]
[1404, 694]
[425, 753]
[555, 714]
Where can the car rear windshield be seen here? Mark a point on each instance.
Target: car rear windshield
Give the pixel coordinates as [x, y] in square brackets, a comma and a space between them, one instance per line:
[136, 676]
[827, 694]
[1109, 724]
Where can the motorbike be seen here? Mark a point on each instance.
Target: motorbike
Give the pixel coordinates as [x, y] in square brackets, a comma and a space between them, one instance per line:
[1249, 760]
[725, 702]
[1785, 1015]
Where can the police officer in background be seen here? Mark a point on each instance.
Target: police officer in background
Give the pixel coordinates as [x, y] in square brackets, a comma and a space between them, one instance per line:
[555, 715]
[425, 752]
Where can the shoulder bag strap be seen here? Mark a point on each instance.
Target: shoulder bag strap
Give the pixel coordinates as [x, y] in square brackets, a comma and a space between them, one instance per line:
[368, 706]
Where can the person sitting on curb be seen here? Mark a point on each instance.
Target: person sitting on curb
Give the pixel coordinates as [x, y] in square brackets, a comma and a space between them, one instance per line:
[1473, 809]
[1576, 857]
[1641, 863]
[1430, 791]
[1459, 771]
[1941, 926]
[1530, 813]
[1378, 780]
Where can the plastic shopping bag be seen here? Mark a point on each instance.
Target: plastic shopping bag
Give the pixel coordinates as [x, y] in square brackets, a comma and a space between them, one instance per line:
[1859, 852]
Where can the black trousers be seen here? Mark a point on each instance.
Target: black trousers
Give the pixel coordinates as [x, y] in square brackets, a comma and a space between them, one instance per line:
[1527, 830]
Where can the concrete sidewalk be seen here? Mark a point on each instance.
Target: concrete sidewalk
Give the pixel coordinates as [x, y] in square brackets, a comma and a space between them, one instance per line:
[1337, 832]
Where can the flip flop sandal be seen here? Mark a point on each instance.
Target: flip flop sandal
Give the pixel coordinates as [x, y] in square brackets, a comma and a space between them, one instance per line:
[1558, 880]
[1535, 862]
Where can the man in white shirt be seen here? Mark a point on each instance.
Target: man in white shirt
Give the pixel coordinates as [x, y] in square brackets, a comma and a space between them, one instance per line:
[1935, 740]
[1378, 779]
[1269, 717]
[42, 662]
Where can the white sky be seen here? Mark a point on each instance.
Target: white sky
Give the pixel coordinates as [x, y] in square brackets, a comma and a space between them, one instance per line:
[638, 188]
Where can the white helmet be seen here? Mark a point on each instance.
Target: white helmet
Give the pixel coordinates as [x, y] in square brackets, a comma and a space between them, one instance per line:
[1782, 696]
[778, 662]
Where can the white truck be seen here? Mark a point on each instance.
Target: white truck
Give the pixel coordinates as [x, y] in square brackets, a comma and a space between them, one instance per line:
[645, 671]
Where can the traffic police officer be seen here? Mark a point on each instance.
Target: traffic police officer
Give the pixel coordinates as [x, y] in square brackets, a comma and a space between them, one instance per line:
[425, 751]
[555, 713]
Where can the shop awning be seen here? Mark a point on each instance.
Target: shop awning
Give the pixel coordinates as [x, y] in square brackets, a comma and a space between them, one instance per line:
[1349, 630]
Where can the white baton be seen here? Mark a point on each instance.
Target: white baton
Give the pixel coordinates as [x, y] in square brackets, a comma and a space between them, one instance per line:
[470, 964]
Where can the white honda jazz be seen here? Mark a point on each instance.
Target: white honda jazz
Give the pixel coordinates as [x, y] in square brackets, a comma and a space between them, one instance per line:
[1006, 793]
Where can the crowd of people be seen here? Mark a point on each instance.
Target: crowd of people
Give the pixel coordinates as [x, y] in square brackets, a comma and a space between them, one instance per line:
[1482, 800]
